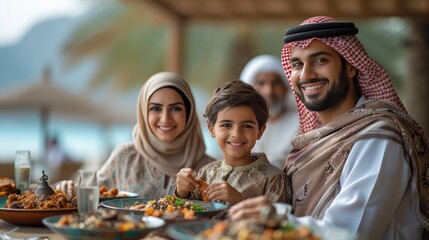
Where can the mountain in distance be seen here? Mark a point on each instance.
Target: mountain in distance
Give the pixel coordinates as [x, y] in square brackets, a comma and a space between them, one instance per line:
[24, 62]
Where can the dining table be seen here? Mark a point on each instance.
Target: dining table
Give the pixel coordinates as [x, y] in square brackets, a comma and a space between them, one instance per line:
[23, 232]
[27, 231]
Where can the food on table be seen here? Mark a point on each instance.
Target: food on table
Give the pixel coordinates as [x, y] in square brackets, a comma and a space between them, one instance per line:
[246, 230]
[104, 219]
[7, 186]
[203, 186]
[270, 225]
[30, 200]
[169, 207]
[112, 192]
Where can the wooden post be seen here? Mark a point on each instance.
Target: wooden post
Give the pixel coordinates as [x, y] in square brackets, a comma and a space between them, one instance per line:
[175, 57]
[174, 62]
[416, 85]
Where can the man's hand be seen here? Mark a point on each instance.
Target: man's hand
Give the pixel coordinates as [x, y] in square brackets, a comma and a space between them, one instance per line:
[66, 186]
[249, 208]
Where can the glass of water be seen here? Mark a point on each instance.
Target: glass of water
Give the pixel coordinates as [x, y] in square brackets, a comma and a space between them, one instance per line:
[23, 170]
[87, 192]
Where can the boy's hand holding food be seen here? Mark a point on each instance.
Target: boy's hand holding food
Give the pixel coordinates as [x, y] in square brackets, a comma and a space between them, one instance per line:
[186, 182]
[222, 191]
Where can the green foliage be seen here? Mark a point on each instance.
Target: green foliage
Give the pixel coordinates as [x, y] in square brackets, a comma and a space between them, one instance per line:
[128, 47]
[383, 39]
[131, 43]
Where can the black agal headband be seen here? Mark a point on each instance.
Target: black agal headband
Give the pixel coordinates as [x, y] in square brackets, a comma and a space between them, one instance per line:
[325, 29]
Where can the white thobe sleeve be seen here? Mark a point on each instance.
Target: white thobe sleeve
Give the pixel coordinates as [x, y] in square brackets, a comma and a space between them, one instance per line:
[372, 185]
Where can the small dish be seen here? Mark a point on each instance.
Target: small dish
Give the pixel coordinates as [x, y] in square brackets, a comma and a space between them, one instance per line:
[211, 208]
[105, 234]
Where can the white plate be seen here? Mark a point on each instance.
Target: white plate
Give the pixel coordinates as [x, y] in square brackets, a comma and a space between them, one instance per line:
[128, 195]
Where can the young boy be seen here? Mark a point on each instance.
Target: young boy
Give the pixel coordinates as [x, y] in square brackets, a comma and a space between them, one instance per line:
[236, 117]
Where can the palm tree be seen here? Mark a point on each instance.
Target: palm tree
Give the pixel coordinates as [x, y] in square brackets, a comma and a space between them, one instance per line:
[126, 44]
[130, 44]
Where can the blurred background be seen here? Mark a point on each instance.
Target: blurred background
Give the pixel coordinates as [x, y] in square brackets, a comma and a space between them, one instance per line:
[70, 70]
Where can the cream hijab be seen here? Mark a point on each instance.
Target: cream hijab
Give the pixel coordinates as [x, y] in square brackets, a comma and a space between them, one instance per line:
[188, 149]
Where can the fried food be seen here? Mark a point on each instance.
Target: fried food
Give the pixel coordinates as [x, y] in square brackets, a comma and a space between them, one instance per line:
[203, 186]
[7, 186]
[112, 192]
[32, 201]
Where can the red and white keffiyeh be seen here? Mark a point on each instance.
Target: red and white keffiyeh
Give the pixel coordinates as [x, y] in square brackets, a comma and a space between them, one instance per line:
[374, 82]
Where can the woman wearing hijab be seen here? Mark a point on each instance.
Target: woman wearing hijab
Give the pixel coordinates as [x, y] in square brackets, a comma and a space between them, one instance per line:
[166, 138]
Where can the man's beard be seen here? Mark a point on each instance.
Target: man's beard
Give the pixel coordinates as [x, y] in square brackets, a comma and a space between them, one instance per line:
[334, 97]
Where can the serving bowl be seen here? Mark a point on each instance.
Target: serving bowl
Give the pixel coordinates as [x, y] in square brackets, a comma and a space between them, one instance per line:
[72, 233]
[30, 217]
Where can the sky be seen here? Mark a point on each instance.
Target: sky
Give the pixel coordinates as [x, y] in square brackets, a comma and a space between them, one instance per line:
[18, 16]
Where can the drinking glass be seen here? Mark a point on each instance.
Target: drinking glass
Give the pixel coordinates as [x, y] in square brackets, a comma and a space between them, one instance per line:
[87, 192]
[22, 170]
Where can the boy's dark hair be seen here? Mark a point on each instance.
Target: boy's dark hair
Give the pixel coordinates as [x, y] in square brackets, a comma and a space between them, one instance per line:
[237, 93]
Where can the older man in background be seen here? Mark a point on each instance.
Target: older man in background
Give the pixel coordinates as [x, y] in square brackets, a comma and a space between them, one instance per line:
[265, 73]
